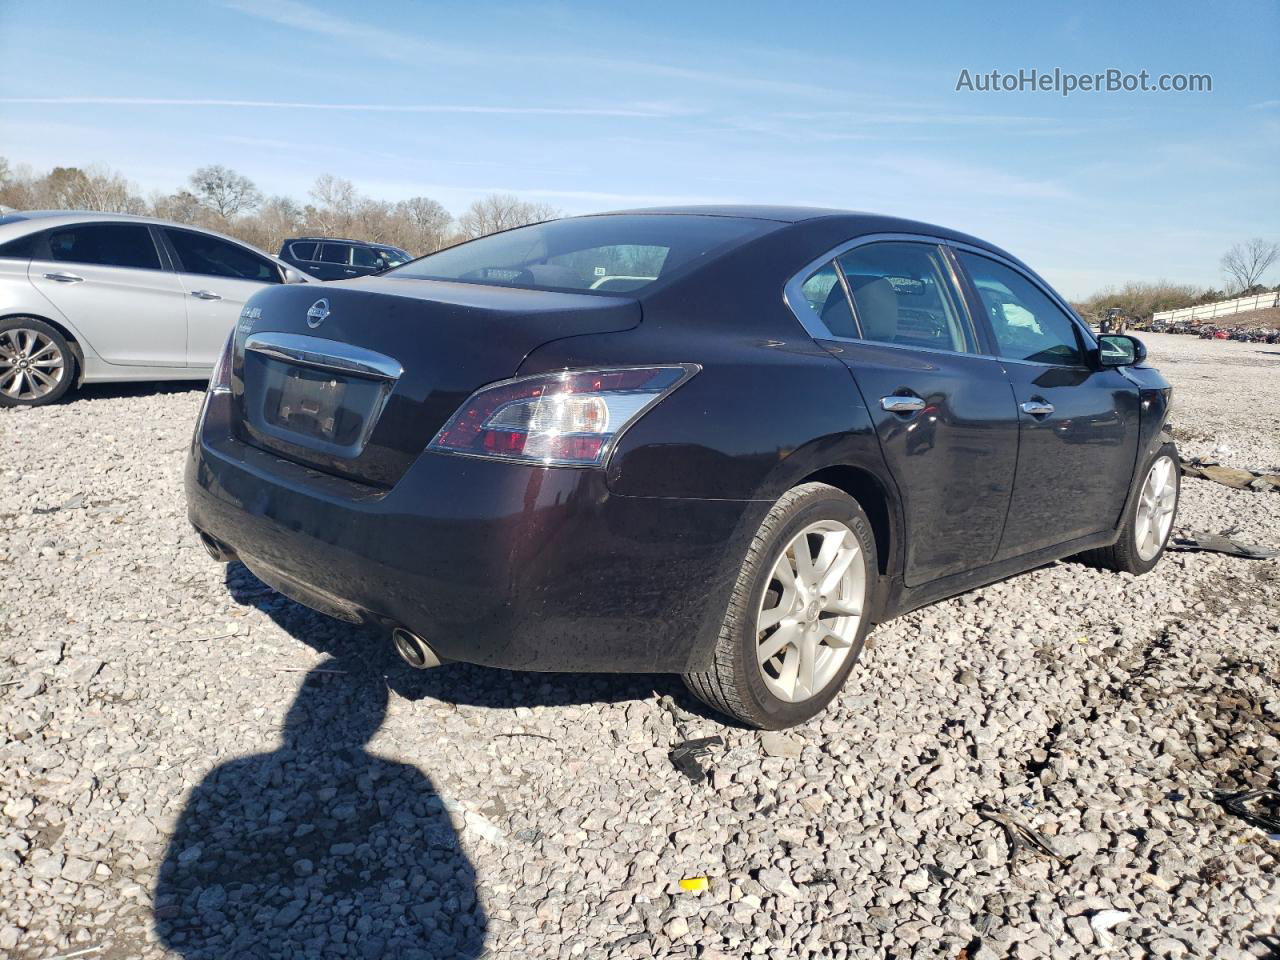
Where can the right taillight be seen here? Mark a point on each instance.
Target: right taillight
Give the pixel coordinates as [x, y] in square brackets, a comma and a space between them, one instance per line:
[572, 418]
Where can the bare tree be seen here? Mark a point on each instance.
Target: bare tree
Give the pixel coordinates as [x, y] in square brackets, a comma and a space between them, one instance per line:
[6, 175]
[224, 191]
[277, 219]
[502, 211]
[71, 188]
[181, 207]
[1245, 263]
[335, 205]
[426, 224]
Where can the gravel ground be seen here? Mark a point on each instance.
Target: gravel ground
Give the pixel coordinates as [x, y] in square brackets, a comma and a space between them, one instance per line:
[195, 767]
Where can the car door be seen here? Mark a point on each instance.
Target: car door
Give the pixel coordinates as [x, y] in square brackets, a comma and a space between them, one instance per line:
[301, 255]
[335, 262]
[218, 276]
[108, 282]
[944, 414]
[1078, 422]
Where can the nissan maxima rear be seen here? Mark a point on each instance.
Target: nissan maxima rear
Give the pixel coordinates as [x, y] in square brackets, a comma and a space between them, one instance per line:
[719, 442]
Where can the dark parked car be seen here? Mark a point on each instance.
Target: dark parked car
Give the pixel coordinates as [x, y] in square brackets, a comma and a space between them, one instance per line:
[721, 442]
[331, 258]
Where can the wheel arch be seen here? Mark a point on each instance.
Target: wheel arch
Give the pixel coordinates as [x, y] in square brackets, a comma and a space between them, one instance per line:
[72, 338]
[876, 501]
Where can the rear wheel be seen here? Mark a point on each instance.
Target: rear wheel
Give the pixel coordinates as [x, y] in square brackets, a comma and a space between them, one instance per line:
[36, 365]
[1148, 521]
[798, 615]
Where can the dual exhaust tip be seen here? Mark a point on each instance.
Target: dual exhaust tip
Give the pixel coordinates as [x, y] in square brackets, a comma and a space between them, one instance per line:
[413, 650]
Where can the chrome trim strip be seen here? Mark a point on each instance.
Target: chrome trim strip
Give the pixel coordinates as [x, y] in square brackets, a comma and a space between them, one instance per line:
[321, 354]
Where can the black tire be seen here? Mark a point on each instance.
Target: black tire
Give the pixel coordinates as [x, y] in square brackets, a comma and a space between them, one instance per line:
[734, 685]
[1123, 555]
[26, 397]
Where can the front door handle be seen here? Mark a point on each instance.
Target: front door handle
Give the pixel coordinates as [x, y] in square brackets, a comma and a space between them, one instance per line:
[901, 404]
[63, 278]
[1038, 408]
[206, 294]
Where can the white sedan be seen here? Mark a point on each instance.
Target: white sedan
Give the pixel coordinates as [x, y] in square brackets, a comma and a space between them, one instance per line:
[94, 297]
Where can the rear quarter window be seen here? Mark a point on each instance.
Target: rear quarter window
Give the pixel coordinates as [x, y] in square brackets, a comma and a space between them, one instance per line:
[23, 248]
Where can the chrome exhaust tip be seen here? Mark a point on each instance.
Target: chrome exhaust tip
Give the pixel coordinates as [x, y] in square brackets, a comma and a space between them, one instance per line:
[215, 548]
[413, 650]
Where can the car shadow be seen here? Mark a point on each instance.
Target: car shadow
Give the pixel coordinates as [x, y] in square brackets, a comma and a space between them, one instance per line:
[113, 391]
[319, 848]
[454, 683]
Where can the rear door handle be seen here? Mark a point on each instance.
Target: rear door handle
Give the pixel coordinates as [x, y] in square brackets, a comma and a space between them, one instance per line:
[206, 294]
[64, 278]
[1037, 408]
[901, 404]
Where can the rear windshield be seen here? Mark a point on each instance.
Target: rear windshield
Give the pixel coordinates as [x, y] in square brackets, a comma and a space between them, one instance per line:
[608, 255]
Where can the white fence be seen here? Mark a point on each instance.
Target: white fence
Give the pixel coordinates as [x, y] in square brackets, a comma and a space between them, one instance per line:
[1223, 308]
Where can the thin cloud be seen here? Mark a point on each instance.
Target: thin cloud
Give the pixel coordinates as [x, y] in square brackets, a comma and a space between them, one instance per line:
[639, 111]
[390, 45]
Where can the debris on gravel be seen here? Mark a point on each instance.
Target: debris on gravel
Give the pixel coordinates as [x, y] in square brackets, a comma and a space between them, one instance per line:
[193, 766]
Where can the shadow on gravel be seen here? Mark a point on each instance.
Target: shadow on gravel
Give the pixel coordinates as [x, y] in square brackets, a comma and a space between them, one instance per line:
[111, 391]
[319, 849]
[455, 683]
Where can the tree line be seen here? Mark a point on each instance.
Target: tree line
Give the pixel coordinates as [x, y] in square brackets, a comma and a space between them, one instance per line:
[219, 198]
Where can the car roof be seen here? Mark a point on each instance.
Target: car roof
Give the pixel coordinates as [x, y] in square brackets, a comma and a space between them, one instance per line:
[35, 220]
[855, 222]
[364, 243]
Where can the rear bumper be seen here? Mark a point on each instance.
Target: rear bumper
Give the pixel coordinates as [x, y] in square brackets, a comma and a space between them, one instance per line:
[527, 568]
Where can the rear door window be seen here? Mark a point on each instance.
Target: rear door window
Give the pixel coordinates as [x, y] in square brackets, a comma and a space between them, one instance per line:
[105, 244]
[903, 294]
[303, 251]
[213, 257]
[365, 257]
[1027, 324]
[336, 253]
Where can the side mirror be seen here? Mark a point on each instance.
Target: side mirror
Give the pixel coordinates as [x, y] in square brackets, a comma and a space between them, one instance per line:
[293, 276]
[1120, 350]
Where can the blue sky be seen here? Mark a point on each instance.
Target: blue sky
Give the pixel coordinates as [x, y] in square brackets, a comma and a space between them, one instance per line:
[596, 106]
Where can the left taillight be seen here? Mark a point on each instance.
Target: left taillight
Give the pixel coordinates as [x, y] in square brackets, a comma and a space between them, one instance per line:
[219, 384]
[572, 418]
[220, 380]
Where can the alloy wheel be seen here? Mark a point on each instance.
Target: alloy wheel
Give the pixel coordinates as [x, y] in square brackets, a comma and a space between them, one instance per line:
[810, 611]
[31, 364]
[1156, 504]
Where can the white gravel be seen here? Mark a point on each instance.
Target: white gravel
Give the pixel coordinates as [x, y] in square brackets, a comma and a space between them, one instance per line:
[194, 767]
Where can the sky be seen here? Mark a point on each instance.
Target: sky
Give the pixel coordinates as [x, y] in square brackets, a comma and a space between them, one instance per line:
[599, 106]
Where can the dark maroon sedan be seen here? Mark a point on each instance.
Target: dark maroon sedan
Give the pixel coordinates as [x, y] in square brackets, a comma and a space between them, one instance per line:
[721, 442]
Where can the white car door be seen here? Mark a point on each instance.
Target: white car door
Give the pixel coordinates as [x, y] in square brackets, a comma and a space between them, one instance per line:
[218, 276]
[107, 281]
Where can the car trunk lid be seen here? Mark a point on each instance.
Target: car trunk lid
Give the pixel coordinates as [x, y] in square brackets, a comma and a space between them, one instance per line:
[356, 378]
